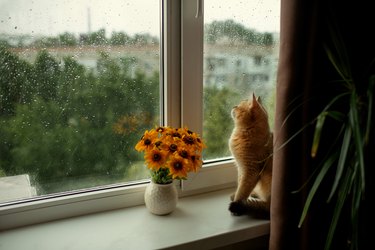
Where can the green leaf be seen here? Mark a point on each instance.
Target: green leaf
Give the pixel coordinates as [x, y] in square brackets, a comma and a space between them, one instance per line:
[292, 137]
[358, 140]
[339, 59]
[342, 159]
[296, 105]
[356, 201]
[339, 69]
[335, 115]
[338, 116]
[370, 92]
[334, 100]
[317, 133]
[331, 149]
[344, 190]
[326, 166]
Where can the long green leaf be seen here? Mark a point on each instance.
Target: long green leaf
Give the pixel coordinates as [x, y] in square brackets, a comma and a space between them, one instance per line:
[340, 69]
[319, 127]
[338, 116]
[326, 166]
[357, 190]
[344, 190]
[356, 202]
[370, 92]
[295, 106]
[292, 137]
[331, 149]
[358, 140]
[317, 133]
[342, 159]
[309, 123]
[334, 100]
[321, 119]
[339, 46]
[339, 59]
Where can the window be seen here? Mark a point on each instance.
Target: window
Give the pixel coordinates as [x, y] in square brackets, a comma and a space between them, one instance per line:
[239, 37]
[79, 82]
[188, 93]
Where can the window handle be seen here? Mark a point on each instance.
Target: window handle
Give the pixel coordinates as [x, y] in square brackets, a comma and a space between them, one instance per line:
[198, 12]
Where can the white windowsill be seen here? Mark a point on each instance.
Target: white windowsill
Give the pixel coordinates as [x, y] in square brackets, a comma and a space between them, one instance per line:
[200, 221]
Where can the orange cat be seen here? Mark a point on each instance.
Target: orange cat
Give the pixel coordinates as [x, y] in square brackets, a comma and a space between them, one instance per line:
[251, 144]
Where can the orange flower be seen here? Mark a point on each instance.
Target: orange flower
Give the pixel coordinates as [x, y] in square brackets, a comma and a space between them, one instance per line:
[155, 158]
[178, 167]
[146, 141]
[170, 153]
[196, 163]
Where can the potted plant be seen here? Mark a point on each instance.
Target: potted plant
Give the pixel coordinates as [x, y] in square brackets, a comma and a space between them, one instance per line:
[170, 154]
[346, 156]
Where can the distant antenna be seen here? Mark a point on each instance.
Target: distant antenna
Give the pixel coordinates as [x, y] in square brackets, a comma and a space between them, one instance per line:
[89, 20]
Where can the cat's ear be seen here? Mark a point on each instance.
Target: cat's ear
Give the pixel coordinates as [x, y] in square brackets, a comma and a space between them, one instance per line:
[254, 101]
[254, 97]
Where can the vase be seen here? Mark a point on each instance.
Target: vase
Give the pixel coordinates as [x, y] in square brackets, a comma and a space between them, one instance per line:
[161, 199]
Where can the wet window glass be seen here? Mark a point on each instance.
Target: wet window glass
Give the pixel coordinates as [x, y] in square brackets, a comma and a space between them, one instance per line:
[241, 46]
[79, 84]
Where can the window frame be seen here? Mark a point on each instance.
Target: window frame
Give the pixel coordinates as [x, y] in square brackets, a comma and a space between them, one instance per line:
[181, 75]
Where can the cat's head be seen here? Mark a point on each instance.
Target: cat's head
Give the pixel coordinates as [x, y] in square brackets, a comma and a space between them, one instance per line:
[250, 111]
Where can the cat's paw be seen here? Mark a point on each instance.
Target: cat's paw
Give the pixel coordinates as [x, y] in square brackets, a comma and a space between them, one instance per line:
[237, 208]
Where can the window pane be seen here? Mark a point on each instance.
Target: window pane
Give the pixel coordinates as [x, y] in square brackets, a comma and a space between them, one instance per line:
[79, 83]
[240, 57]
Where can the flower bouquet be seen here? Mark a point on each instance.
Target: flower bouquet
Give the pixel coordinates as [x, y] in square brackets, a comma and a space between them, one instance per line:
[171, 153]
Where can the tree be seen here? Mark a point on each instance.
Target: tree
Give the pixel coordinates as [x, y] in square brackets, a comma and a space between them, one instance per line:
[14, 81]
[97, 38]
[67, 39]
[218, 123]
[46, 75]
[235, 33]
[77, 124]
[119, 38]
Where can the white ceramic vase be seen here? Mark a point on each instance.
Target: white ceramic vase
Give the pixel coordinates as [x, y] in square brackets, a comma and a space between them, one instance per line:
[161, 199]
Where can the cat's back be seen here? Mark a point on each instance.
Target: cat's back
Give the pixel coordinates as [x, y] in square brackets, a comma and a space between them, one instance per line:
[251, 133]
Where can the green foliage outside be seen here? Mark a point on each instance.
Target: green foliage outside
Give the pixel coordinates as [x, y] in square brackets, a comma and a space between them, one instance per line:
[63, 122]
[218, 122]
[235, 32]
[67, 39]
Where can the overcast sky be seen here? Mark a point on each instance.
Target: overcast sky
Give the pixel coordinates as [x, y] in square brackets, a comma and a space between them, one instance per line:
[51, 17]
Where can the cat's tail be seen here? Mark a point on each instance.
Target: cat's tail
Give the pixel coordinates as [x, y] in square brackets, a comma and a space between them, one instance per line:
[255, 207]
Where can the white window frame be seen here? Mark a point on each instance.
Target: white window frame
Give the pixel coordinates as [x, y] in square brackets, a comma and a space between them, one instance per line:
[182, 77]
[219, 173]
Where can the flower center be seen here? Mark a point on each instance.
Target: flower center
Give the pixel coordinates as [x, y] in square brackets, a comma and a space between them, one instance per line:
[177, 165]
[189, 140]
[147, 141]
[173, 147]
[184, 154]
[156, 157]
[176, 134]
